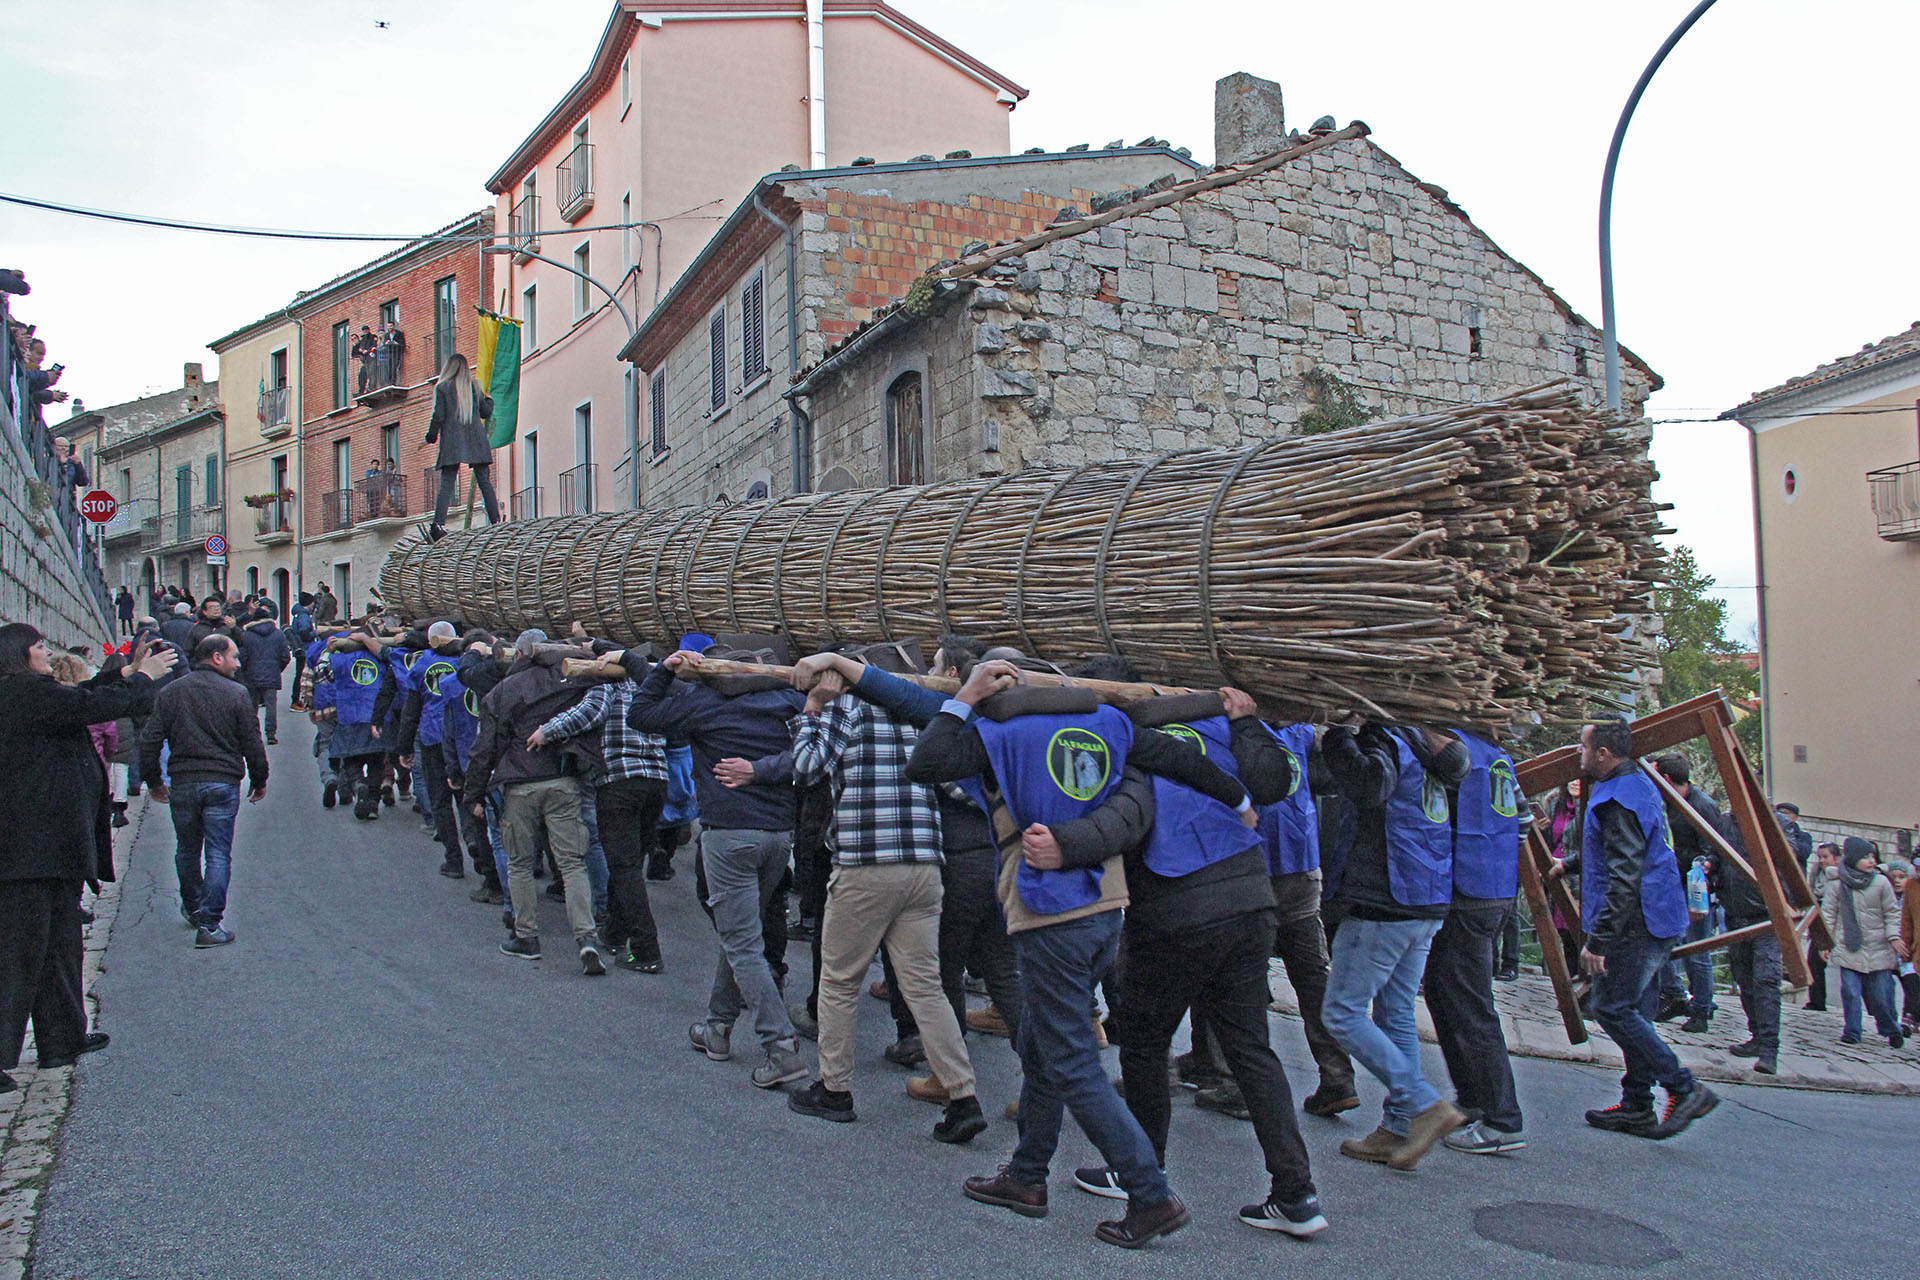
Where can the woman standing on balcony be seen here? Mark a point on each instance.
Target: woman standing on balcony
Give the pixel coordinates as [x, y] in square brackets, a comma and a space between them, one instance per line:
[460, 411]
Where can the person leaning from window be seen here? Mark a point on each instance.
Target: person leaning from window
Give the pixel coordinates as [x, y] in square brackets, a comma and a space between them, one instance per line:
[460, 411]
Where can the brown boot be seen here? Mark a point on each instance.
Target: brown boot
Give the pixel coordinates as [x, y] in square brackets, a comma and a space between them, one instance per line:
[1431, 1125]
[927, 1089]
[1144, 1222]
[1376, 1148]
[987, 1022]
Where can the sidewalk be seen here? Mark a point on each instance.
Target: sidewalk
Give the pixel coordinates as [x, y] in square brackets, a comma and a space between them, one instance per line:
[31, 1116]
[1811, 1056]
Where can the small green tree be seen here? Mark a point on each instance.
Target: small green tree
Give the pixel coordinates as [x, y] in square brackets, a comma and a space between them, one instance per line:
[1696, 654]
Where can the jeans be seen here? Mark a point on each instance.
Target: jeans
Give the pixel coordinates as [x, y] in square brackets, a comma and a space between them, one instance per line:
[1634, 961]
[268, 699]
[322, 735]
[1506, 955]
[896, 905]
[596, 855]
[743, 871]
[1378, 963]
[1699, 969]
[1876, 989]
[1300, 941]
[973, 936]
[1227, 962]
[1756, 975]
[1459, 990]
[1062, 1071]
[203, 818]
[630, 810]
[551, 805]
[450, 481]
[440, 803]
[497, 841]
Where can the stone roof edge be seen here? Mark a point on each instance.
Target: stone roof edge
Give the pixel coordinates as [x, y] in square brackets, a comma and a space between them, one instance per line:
[140, 439]
[1875, 357]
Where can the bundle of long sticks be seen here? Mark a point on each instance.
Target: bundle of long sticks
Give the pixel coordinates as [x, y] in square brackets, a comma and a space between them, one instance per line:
[1478, 566]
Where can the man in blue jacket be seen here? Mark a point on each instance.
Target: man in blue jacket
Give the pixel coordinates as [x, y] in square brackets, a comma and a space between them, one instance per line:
[264, 654]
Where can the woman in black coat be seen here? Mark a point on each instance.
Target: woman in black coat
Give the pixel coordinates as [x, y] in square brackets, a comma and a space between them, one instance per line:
[55, 838]
[460, 411]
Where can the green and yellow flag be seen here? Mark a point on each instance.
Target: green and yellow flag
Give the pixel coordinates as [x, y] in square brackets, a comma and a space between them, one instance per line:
[497, 366]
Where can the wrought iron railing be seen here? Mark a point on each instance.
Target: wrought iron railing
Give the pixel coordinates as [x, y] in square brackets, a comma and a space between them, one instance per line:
[275, 411]
[579, 490]
[275, 517]
[525, 504]
[575, 178]
[337, 509]
[382, 496]
[1896, 501]
[523, 226]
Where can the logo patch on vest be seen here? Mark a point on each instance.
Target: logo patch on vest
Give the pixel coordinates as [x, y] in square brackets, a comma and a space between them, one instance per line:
[1298, 771]
[472, 704]
[364, 671]
[1080, 762]
[435, 674]
[1505, 788]
[1433, 800]
[1187, 734]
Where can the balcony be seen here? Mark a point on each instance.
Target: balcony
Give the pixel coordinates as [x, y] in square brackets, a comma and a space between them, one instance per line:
[130, 520]
[379, 380]
[337, 509]
[276, 416]
[575, 178]
[1896, 501]
[273, 523]
[383, 497]
[525, 505]
[164, 530]
[523, 229]
[579, 490]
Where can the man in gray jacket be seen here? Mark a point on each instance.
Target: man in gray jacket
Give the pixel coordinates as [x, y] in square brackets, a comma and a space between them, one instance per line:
[206, 720]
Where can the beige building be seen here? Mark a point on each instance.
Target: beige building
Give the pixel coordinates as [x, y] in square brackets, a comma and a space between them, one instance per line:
[1837, 516]
[260, 398]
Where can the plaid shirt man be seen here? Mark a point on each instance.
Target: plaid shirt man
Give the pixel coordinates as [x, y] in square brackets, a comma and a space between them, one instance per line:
[878, 816]
[629, 753]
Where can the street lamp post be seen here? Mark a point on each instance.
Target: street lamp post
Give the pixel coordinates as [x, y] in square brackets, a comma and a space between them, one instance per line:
[1609, 338]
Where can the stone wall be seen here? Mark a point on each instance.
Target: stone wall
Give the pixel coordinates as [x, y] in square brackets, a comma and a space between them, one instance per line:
[40, 577]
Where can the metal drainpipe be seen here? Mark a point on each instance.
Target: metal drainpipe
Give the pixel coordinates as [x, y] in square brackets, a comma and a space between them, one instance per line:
[299, 460]
[802, 442]
[817, 83]
[1760, 618]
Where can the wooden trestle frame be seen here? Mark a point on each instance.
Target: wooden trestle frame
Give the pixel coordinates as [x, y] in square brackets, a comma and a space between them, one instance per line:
[1792, 912]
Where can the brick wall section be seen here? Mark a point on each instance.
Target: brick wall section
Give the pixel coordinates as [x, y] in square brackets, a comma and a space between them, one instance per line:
[40, 579]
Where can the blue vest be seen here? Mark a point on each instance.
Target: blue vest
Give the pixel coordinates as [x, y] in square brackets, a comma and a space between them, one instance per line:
[400, 662]
[1486, 834]
[356, 683]
[1419, 828]
[459, 718]
[681, 807]
[1054, 769]
[1663, 898]
[1192, 830]
[1290, 828]
[428, 673]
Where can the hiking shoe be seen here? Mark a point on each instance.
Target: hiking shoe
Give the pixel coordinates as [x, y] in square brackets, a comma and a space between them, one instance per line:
[329, 794]
[387, 796]
[1482, 1139]
[783, 1065]
[1144, 1223]
[1377, 1147]
[1621, 1118]
[453, 871]
[819, 1101]
[631, 960]
[590, 962]
[804, 1023]
[1301, 1219]
[1330, 1100]
[1224, 1098]
[1672, 1007]
[660, 871]
[1506, 975]
[487, 894]
[1099, 1180]
[1745, 1049]
[1767, 1066]
[1196, 1072]
[962, 1122]
[1696, 1024]
[1028, 1199]
[715, 1039]
[521, 948]
[988, 1022]
[211, 936]
[557, 891]
[1685, 1109]
[907, 1051]
[1427, 1128]
[927, 1089]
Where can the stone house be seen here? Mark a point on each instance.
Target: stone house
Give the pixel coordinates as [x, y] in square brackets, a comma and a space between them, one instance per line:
[164, 457]
[1315, 284]
[260, 398]
[801, 264]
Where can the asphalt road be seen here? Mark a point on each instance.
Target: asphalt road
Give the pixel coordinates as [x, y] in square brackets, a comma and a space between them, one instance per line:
[364, 1086]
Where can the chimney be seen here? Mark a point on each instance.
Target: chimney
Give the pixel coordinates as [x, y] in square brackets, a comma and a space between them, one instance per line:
[1248, 120]
[192, 376]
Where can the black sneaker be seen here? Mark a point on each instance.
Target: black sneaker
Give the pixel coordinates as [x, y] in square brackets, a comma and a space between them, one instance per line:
[1099, 1180]
[1745, 1049]
[7, 1083]
[453, 871]
[1767, 1066]
[1672, 1007]
[1195, 1072]
[1300, 1219]
[1696, 1024]
[521, 948]
[631, 960]
[329, 794]
[907, 1051]
[818, 1100]
[962, 1122]
[661, 871]
[1506, 975]
[1621, 1118]
[211, 936]
[590, 962]
[1685, 1109]
[556, 891]
[488, 894]
[1225, 1099]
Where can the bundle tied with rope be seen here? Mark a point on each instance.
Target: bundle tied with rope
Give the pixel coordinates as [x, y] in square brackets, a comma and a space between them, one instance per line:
[1478, 566]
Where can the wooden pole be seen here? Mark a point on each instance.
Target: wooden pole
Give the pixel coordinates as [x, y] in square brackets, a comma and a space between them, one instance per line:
[1534, 857]
[1744, 799]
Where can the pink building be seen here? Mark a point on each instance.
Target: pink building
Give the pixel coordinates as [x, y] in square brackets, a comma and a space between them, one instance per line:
[686, 105]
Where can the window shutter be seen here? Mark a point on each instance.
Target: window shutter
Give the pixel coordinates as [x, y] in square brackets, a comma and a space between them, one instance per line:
[659, 413]
[753, 328]
[717, 344]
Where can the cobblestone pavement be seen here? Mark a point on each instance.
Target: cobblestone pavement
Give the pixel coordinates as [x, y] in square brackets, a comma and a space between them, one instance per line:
[1811, 1056]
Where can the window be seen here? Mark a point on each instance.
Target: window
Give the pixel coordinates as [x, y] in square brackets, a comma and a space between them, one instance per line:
[906, 454]
[530, 452]
[529, 319]
[390, 444]
[582, 297]
[657, 422]
[126, 484]
[753, 328]
[342, 468]
[445, 313]
[340, 365]
[343, 586]
[626, 86]
[717, 357]
[582, 433]
[626, 233]
[389, 313]
[630, 410]
[277, 368]
[253, 580]
[213, 479]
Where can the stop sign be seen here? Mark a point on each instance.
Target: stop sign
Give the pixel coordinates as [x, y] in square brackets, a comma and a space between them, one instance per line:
[99, 506]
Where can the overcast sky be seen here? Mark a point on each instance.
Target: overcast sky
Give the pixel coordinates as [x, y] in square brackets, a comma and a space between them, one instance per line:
[1760, 222]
